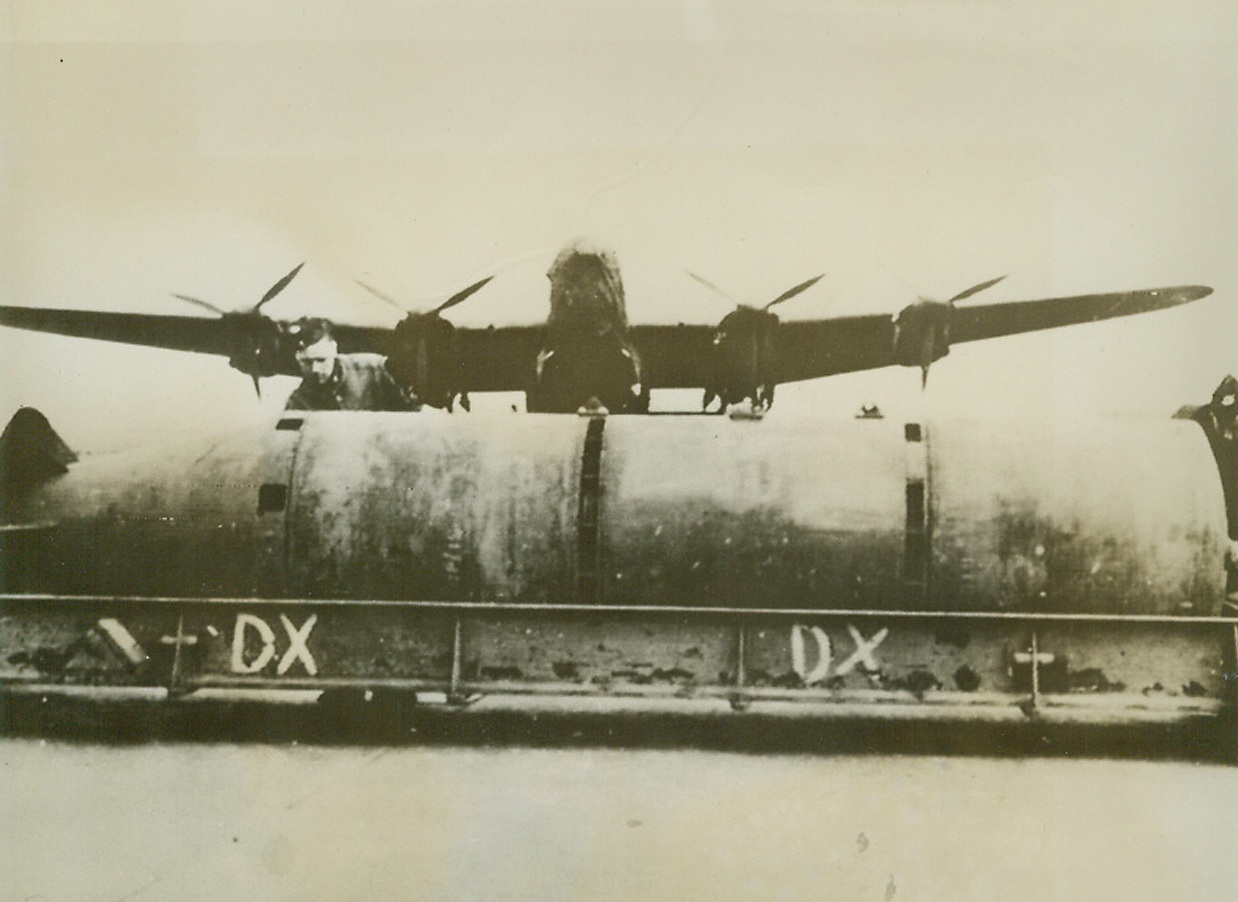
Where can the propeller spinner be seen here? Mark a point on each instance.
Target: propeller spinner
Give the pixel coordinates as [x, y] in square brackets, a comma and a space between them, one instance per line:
[745, 350]
[922, 329]
[254, 339]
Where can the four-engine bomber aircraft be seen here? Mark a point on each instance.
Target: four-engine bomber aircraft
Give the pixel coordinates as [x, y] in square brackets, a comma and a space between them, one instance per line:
[586, 352]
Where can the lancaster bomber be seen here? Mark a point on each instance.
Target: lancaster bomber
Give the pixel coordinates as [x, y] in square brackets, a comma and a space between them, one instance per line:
[587, 353]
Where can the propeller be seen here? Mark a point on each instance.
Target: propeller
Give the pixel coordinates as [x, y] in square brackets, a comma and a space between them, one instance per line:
[253, 337]
[711, 286]
[975, 289]
[203, 304]
[922, 329]
[785, 296]
[423, 355]
[458, 298]
[792, 292]
[270, 294]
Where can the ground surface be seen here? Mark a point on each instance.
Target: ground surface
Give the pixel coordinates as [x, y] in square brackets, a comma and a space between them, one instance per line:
[177, 817]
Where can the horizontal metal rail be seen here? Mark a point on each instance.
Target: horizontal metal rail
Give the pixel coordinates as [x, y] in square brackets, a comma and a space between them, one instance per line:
[593, 611]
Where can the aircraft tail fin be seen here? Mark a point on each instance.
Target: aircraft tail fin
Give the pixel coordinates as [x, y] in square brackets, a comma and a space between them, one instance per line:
[31, 451]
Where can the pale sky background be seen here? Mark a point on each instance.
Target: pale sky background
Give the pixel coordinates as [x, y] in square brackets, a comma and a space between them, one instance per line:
[207, 147]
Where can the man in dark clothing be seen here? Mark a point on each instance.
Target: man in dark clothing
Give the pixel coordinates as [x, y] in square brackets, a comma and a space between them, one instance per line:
[334, 381]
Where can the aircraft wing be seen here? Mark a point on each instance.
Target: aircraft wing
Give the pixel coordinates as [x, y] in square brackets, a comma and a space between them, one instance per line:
[177, 333]
[679, 356]
[360, 339]
[672, 356]
[972, 323]
[682, 356]
[498, 358]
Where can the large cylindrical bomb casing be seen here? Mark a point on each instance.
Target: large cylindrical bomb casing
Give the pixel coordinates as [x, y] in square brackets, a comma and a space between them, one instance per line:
[181, 519]
[1103, 517]
[436, 507]
[1109, 516]
[709, 511]
[1100, 517]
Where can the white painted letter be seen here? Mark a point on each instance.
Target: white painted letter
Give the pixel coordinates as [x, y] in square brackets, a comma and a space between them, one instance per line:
[238, 644]
[297, 648]
[863, 653]
[824, 655]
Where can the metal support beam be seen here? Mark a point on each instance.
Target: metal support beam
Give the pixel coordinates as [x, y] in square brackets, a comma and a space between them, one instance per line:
[454, 695]
[739, 699]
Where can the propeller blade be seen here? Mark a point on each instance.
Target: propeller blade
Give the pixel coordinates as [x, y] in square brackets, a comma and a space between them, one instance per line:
[792, 292]
[924, 377]
[710, 285]
[975, 289]
[382, 297]
[257, 388]
[460, 296]
[187, 299]
[278, 287]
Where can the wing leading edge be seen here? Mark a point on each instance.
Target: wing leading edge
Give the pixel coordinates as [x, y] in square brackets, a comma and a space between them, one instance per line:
[178, 333]
[815, 348]
[974, 323]
[672, 356]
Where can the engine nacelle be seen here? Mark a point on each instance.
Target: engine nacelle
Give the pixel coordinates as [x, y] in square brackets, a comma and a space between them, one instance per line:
[922, 333]
[259, 346]
[745, 355]
[423, 358]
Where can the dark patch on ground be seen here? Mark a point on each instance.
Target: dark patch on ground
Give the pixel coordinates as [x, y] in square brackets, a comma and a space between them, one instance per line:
[48, 660]
[1091, 679]
[566, 670]
[672, 674]
[788, 680]
[967, 679]
[917, 682]
[1056, 678]
[644, 675]
[639, 677]
[501, 673]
